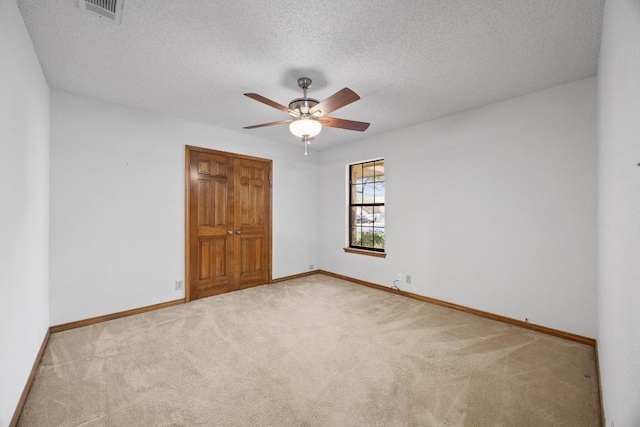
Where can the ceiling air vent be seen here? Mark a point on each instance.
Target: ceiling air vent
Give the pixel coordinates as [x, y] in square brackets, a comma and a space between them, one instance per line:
[110, 9]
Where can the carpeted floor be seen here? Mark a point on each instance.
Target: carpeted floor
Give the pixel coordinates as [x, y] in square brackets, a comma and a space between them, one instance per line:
[315, 351]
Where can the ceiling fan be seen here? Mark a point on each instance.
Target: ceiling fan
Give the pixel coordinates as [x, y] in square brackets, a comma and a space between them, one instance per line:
[309, 115]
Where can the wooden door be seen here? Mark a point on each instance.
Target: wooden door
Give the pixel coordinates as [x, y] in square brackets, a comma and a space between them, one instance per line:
[252, 207]
[228, 222]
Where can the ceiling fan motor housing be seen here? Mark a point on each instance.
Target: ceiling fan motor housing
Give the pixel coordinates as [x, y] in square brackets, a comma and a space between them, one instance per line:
[303, 105]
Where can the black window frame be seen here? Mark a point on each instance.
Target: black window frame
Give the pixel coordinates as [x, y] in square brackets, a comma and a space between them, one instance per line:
[352, 221]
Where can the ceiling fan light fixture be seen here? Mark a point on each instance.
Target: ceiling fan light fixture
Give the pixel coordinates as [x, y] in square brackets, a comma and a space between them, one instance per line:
[305, 127]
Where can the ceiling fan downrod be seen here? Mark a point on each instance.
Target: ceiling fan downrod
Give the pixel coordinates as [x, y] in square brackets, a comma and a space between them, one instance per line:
[304, 83]
[304, 104]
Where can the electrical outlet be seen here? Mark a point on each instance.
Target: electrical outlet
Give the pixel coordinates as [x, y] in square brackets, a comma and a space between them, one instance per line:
[179, 285]
[400, 277]
[407, 279]
[310, 266]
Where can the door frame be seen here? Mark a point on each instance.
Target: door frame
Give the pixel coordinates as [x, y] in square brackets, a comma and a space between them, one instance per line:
[187, 251]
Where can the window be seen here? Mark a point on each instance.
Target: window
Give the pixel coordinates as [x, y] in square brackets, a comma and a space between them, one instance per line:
[366, 205]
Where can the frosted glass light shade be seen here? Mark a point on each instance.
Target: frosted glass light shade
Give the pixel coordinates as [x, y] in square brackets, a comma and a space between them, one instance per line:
[308, 127]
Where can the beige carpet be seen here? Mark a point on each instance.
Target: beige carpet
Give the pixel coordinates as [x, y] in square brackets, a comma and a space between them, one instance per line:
[315, 351]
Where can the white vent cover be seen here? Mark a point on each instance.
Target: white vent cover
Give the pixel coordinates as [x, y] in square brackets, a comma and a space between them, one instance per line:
[110, 9]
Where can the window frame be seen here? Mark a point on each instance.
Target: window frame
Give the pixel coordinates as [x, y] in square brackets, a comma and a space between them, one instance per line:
[351, 221]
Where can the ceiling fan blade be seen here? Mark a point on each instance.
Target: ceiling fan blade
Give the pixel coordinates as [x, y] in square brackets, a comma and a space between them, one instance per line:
[271, 103]
[338, 100]
[344, 124]
[279, 122]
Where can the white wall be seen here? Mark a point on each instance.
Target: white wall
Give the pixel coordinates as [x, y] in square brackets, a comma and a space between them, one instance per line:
[619, 219]
[117, 204]
[493, 208]
[24, 207]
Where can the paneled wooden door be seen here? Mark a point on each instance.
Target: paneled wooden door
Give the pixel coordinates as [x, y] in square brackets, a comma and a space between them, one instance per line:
[228, 222]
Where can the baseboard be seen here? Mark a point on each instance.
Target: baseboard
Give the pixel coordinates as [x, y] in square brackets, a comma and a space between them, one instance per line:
[295, 276]
[532, 326]
[104, 318]
[601, 396]
[27, 386]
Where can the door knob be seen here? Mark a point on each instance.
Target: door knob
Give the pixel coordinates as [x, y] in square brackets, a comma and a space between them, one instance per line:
[229, 232]
[238, 231]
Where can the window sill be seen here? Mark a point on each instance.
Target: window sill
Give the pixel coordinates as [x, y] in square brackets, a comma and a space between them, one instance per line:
[365, 252]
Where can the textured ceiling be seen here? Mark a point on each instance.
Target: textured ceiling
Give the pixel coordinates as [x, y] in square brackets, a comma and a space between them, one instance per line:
[410, 61]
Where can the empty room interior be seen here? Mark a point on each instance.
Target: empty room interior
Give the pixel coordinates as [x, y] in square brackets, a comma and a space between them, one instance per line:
[196, 230]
